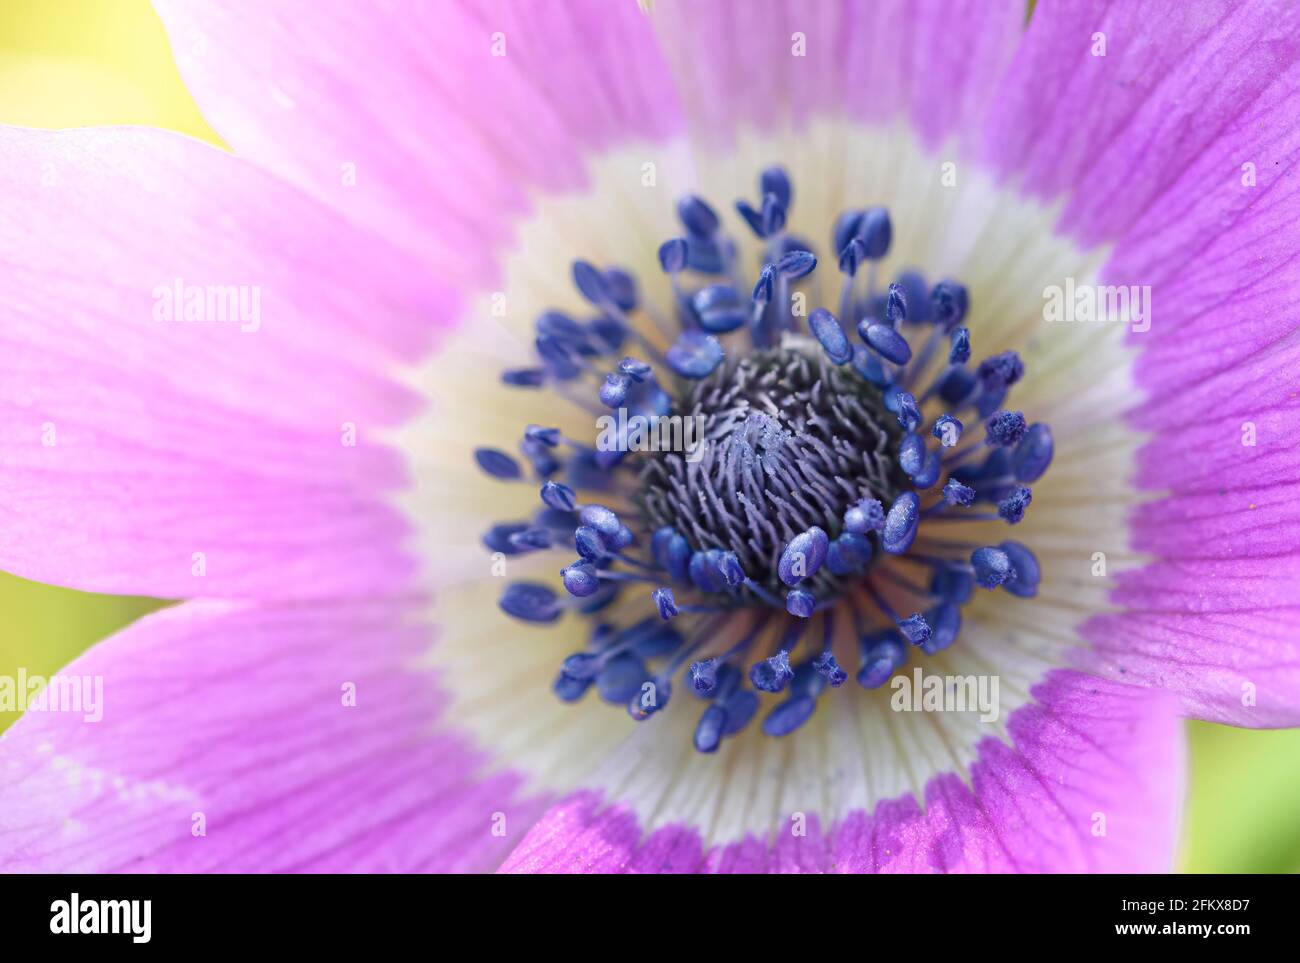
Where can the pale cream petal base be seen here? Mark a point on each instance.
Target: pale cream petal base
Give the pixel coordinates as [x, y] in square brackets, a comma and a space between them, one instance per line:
[856, 750]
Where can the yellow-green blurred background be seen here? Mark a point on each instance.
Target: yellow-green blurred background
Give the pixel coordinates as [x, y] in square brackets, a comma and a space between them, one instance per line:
[68, 63]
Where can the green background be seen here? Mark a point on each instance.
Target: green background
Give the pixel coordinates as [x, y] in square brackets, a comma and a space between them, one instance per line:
[67, 63]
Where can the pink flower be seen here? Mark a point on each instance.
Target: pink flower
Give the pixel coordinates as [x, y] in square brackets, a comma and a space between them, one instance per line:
[268, 383]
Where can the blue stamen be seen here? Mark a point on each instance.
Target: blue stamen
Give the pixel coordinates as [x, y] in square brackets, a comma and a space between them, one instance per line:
[796, 264]
[929, 473]
[1012, 508]
[607, 334]
[752, 216]
[705, 255]
[948, 430]
[582, 665]
[789, 716]
[622, 288]
[704, 676]
[531, 539]
[741, 708]
[901, 524]
[591, 545]
[772, 216]
[718, 309]
[826, 329]
[949, 301]
[620, 679]
[728, 564]
[955, 493]
[497, 538]
[915, 629]
[569, 689]
[531, 602]
[764, 286]
[695, 355]
[498, 464]
[772, 674]
[558, 356]
[851, 259]
[559, 496]
[911, 454]
[846, 229]
[946, 621]
[580, 579]
[866, 363]
[591, 284]
[524, 377]
[1001, 370]
[917, 296]
[992, 567]
[803, 556]
[613, 393]
[800, 604]
[601, 519]
[865, 516]
[830, 670]
[953, 386]
[540, 457]
[697, 216]
[704, 572]
[1025, 584]
[1033, 453]
[895, 305]
[635, 369]
[665, 603]
[550, 437]
[883, 654]
[561, 328]
[774, 180]
[848, 554]
[672, 255]
[885, 341]
[876, 232]
[909, 415]
[959, 350]
[672, 552]
[1005, 428]
[711, 728]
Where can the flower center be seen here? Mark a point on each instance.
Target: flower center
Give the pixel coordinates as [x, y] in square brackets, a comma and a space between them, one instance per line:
[806, 513]
[789, 442]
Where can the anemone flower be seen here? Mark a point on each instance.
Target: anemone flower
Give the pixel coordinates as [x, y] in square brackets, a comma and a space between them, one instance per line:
[727, 436]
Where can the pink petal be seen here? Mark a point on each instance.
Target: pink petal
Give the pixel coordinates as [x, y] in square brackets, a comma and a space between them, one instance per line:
[929, 62]
[130, 444]
[1215, 619]
[236, 711]
[1091, 782]
[448, 141]
[1134, 135]
[1148, 143]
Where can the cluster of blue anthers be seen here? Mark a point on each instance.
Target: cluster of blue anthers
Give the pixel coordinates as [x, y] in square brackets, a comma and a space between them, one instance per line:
[818, 472]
